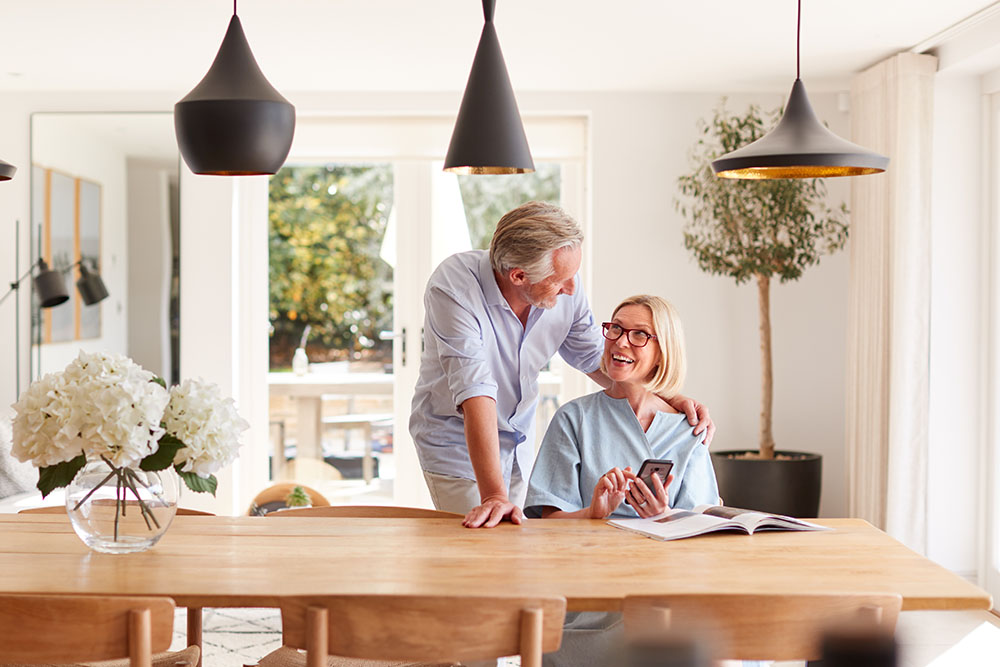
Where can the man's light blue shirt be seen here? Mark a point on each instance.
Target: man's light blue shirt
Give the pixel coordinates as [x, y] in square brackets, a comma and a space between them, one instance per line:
[474, 345]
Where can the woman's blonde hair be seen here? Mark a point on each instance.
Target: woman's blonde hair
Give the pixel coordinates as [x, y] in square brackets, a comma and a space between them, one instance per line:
[668, 376]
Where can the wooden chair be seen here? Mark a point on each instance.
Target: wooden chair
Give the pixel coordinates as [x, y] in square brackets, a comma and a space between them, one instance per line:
[194, 614]
[762, 626]
[61, 509]
[276, 493]
[408, 627]
[368, 511]
[61, 629]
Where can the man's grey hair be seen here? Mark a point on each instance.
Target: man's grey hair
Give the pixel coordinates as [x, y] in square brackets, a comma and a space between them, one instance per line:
[526, 237]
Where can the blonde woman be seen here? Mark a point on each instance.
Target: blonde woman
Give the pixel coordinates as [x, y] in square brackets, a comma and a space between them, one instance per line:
[585, 465]
[594, 445]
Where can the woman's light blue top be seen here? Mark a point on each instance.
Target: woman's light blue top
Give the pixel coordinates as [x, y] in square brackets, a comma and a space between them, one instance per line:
[595, 433]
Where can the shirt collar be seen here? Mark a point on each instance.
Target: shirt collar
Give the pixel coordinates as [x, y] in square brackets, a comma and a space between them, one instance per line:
[489, 282]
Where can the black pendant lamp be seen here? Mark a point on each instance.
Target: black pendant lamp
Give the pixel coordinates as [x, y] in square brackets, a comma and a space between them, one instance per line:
[488, 136]
[800, 146]
[7, 171]
[234, 123]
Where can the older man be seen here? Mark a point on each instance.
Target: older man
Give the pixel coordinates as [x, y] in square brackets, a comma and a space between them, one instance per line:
[493, 321]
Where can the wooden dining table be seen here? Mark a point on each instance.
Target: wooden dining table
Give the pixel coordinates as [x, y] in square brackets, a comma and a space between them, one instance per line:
[214, 561]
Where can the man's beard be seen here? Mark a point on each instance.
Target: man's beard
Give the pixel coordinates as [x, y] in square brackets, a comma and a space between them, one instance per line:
[547, 304]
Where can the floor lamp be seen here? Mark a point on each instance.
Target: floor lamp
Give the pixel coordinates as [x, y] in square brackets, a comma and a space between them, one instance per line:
[50, 287]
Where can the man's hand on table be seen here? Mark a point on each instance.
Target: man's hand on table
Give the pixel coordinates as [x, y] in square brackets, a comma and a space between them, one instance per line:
[492, 511]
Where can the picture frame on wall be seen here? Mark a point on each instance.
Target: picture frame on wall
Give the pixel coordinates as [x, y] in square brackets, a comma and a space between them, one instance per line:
[69, 222]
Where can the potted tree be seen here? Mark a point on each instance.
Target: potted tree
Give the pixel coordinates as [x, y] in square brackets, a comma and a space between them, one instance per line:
[758, 230]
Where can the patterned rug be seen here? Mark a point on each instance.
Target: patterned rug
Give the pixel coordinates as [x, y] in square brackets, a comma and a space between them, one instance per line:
[241, 637]
[232, 637]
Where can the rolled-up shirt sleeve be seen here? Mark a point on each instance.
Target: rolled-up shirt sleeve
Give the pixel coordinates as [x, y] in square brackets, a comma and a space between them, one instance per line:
[584, 343]
[555, 477]
[458, 336]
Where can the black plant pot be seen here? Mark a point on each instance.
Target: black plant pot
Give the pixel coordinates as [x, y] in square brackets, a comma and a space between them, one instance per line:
[789, 486]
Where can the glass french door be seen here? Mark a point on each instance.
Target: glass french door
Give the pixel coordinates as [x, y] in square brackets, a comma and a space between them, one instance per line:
[358, 238]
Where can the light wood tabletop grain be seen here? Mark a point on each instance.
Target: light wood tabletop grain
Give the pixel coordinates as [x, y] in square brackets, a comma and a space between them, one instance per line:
[253, 561]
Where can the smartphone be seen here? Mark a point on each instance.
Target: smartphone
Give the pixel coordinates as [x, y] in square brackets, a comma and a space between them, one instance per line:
[661, 467]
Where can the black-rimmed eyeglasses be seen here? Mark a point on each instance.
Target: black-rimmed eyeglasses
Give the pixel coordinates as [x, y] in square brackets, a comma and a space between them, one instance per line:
[636, 337]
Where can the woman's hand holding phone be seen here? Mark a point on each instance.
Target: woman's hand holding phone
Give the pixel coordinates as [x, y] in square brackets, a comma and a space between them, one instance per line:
[649, 498]
[609, 492]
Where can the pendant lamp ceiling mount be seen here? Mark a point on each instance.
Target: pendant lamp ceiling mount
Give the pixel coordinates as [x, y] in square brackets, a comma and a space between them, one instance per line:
[800, 146]
[234, 122]
[488, 137]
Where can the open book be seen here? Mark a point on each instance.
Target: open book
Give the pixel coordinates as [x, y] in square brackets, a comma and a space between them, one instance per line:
[678, 524]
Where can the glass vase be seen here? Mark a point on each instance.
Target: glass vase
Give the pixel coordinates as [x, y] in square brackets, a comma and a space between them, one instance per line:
[121, 510]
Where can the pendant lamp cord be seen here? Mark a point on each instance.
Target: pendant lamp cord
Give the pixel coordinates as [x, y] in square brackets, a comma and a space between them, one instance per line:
[798, 41]
[234, 6]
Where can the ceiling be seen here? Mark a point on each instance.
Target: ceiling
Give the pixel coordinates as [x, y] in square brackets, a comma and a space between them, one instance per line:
[428, 45]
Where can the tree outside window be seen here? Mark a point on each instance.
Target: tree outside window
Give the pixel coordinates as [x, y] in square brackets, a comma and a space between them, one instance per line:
[326, 225]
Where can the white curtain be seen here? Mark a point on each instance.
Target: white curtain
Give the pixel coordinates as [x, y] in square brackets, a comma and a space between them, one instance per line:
[889, 304]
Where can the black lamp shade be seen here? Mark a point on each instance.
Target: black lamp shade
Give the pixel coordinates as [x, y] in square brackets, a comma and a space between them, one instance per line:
[91, 287]
[800, 146]
[7, 171]
[234, 123]
[50, 286]
[488, 137]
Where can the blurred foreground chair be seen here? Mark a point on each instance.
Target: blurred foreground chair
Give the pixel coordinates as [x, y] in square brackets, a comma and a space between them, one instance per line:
[194, 614]
[335, 629]
[759, 627]
[369, 511]
[74, 629]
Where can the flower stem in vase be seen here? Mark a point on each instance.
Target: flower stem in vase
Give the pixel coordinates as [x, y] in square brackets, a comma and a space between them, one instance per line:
[119, 499]
[114, 471]
[130, 479]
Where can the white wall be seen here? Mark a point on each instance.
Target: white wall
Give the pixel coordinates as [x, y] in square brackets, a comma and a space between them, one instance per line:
[639, 147]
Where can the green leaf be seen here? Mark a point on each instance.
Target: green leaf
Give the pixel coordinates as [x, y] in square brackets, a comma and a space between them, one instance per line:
[160, 381]
[61, 474]
[163, 457]
[199, 484]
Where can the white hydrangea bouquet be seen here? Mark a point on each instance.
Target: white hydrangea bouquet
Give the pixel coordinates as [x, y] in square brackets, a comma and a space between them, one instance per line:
[105, 407]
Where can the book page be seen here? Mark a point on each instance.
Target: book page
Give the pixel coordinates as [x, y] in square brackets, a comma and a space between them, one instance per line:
[754, 520]
[749, 519]
[677, 524]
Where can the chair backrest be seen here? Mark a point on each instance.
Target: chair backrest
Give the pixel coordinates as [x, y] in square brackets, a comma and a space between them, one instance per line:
[366, 511]
[762, 626]
[60, 509]
[84, 628]
[409, 627]
[274, 496]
